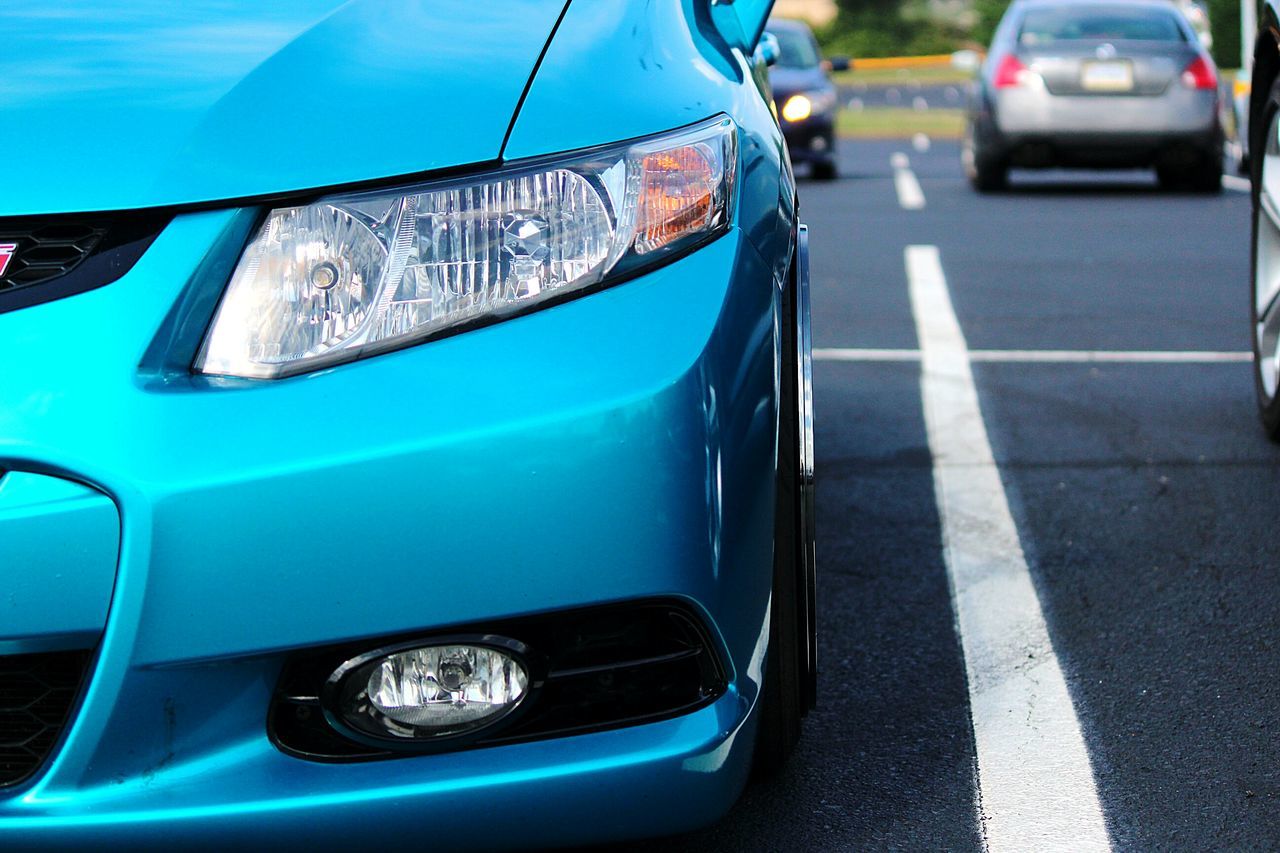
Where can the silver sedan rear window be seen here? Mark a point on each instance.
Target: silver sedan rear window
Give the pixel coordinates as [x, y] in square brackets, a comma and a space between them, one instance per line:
[1044, 26]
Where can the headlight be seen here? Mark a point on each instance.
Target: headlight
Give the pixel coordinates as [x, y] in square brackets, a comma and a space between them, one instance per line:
[357, 274]
[800, 107]
[797, 108]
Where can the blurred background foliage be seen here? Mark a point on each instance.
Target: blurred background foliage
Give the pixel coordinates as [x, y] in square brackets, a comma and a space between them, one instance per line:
[869, 28]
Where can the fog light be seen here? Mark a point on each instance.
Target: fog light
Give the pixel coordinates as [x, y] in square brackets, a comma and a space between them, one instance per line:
[426, 692]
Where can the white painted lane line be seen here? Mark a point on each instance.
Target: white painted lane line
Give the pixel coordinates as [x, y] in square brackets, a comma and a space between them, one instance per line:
[1238, 184]
[1045, 356]
[1036, 786]
[862, 354]
[910, 196]
[1114, 356]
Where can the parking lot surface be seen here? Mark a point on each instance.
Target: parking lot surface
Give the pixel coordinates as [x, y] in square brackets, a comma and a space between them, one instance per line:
[1102, 331]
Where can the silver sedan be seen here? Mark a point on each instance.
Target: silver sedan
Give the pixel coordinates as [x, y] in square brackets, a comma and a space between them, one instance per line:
[1120, 84]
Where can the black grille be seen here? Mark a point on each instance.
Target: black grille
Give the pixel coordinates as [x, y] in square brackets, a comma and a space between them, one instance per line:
[603, 668]
[48, 257]
[36, 694]
[45, 251]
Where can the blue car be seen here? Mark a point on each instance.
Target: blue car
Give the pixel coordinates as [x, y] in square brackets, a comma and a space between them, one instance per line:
[405, 423]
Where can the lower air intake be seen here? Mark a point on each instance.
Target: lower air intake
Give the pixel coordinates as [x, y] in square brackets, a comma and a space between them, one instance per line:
[36, 695]
[596, 668]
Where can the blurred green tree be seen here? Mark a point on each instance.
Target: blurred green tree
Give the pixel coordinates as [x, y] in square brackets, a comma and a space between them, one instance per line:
[989, 14]
[1224, 23]
[887, 28]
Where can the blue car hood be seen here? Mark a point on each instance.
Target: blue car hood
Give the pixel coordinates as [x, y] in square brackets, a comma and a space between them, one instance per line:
[112, 105]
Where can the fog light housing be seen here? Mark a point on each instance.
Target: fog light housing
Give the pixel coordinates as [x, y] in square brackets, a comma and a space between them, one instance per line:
[421, 692]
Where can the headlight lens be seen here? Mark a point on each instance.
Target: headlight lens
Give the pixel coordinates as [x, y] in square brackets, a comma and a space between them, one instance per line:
[800, 107]
[356, 274]
[797, 108]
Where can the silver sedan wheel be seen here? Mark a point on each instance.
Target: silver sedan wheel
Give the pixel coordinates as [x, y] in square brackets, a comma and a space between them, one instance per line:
[1266, 275]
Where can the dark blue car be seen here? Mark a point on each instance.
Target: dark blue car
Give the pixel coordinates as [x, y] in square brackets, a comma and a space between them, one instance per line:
[805, 97]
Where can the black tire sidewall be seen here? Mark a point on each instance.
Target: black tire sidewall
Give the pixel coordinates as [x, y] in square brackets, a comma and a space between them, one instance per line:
[825, 170]
[781, 703]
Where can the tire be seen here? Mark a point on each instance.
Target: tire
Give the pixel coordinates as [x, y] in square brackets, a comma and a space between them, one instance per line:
[790, 676]
[986, 173]
[1264, 246]
[1208, 178]
[988, 176]
[1204, 177]
[825, 170]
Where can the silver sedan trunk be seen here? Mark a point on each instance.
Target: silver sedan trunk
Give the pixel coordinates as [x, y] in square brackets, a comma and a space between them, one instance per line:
[1099, 87]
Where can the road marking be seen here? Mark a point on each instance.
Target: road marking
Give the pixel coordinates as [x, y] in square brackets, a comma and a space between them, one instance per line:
[910, 196]
[1036, 786]
[1232, 182]
[864, 354]
[1042, 356]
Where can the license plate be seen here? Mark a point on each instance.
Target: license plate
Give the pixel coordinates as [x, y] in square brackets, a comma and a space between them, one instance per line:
[1107, 77]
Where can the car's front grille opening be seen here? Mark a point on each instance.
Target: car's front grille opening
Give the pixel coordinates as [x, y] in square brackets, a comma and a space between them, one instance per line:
[36, 696]
[604, 668]
[40, 252]
[48, 257]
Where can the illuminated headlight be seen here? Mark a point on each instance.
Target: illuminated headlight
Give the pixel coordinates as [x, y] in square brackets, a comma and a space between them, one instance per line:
[357, 274]
[800, 107]
[428, 692]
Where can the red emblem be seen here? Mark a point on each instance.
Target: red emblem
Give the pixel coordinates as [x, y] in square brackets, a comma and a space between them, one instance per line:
[6, 255]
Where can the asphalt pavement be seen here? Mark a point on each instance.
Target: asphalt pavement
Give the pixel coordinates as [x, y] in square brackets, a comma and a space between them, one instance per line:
[909, 93]
[1106, 323]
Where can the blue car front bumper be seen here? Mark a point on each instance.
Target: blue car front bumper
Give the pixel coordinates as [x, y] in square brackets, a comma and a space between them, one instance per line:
[616, 447]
